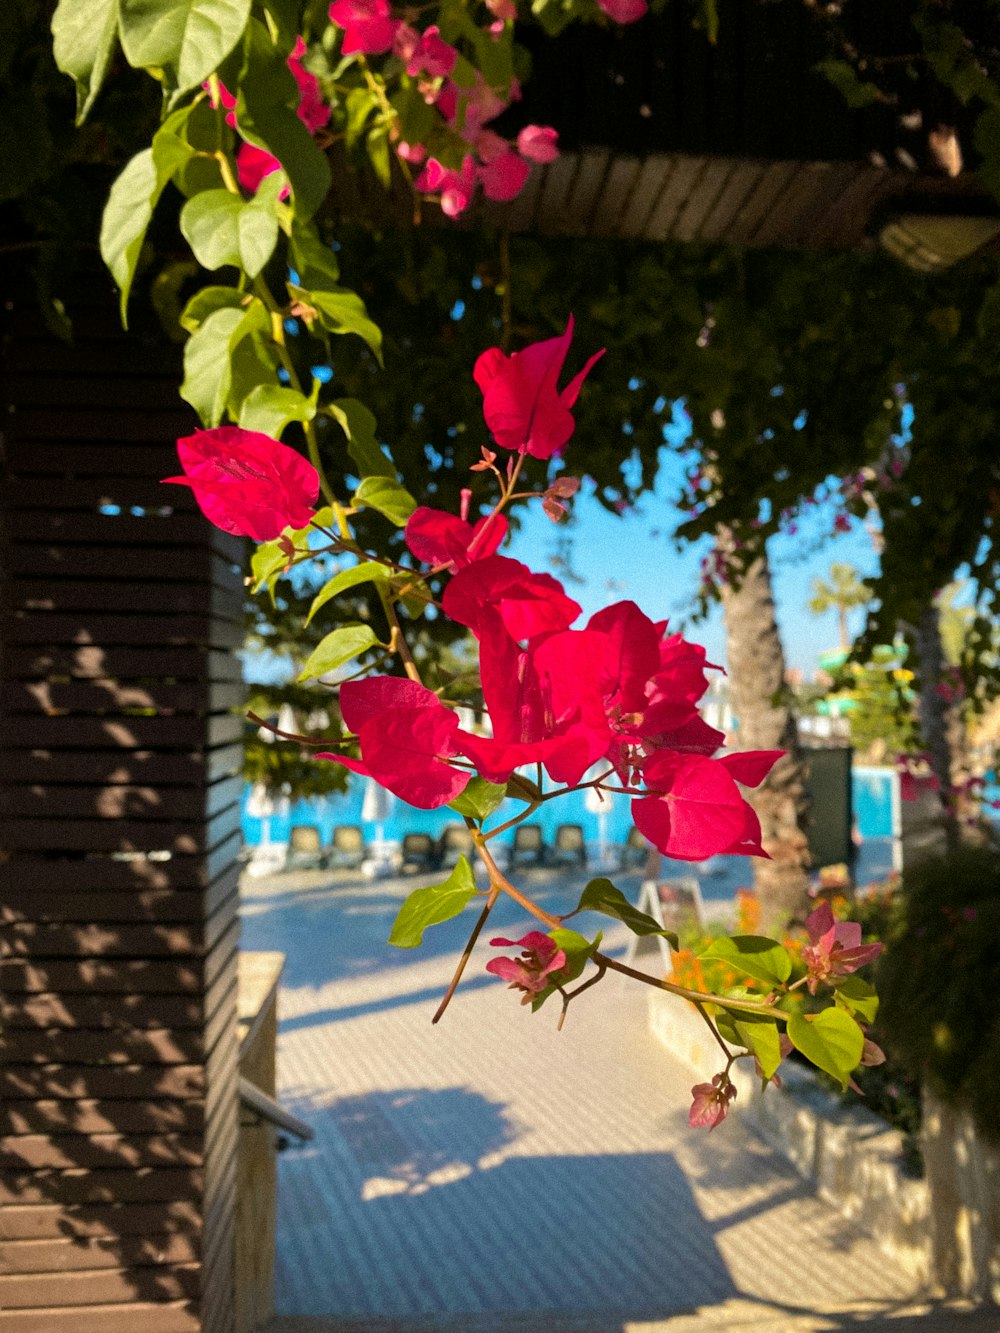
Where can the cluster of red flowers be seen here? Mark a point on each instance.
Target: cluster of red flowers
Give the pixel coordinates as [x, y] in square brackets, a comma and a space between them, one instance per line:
[619, 691]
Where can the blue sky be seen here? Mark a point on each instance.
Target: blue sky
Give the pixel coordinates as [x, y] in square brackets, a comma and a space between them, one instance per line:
[634, 557]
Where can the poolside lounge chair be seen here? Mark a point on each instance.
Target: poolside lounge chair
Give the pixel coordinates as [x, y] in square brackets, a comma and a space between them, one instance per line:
[347, 848]
[305, 848]
[569, 847]
[419, 852]
[455, 841]
[528, 846]
[635, 851]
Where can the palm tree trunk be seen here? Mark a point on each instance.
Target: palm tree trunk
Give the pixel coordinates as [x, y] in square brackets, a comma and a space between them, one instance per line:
[766, 722]
[943, 734]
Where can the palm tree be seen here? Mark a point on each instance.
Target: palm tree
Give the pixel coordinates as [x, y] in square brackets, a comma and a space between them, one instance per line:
[844, 591]
[756, 662]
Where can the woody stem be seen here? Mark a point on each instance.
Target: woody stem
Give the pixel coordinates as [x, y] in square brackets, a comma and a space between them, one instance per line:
[466, 953]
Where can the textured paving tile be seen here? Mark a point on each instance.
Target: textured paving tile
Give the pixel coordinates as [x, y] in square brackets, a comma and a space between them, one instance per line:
[490, 1169]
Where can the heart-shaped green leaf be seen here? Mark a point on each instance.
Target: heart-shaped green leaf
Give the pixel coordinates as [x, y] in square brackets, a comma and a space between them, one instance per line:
[432, 905]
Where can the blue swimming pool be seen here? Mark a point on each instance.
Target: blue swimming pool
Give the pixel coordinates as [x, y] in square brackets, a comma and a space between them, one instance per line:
[719, 878]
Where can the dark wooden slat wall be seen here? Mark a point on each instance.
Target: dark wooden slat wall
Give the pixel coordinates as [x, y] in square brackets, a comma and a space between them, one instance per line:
[119, 809]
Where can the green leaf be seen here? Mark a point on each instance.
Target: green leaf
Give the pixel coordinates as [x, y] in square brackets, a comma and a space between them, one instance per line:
[189, 38]
[431, 906]
[763, 1037]
[84, 34]
[253, 357]
[479, 799]
[370, 572]
[315, 263]
[207, 369]
[578, 950]
[271, 558]
[270, 407]
[857, 93]
[342, 311]
[386, 496]
[267, 113]
[130, 204]
[858, 997]
[358, 425]
[600, 895]
[359, 104]
[336, 649]
[210, 225]
[377, 144]
[258, 224]
[206, 302]
[830, 1039]
[755, 955]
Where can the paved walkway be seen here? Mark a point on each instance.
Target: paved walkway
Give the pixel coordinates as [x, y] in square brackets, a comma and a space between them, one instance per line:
[491, 1173]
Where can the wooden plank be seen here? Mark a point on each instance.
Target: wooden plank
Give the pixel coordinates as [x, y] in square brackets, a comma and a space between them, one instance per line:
[88, 1287]
[155, 905]
[52, 1221]
[91, 494]
[772, 182]
[189, 530]
[152, 1046]
[90, 1115]
[83, 627]
[106, 359]
[144, 593]
[194, 768]
[612, 202]
[59, 1151]
[47, 1009]
[587, 185]
[153, 392]
[93, 662]
[778, 225]
[147, 428]
[99, 1083]
[702, 198]
[635, 215]
[61, 1256]
[103, 696]
[147, 1316]
[115, 975]
[552, 211]
[683, 178]
[831, 185]
[104, 874]
[847, 217]
[124, 801]
[739, 186]
[85, 456]
[170, 563]
[121, 834]
[125, 733]
[97, 939]
[149, 1184]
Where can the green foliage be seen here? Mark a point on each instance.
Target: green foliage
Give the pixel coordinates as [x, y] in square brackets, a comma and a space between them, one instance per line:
[369, 572]
[387, 497]
[337, 648]
[181, 42]
[754, 955]
[479, 799]
[940, 981]
[85, 34]
[831, 1039]
[578, 951]
[432, 905]
[600, 895]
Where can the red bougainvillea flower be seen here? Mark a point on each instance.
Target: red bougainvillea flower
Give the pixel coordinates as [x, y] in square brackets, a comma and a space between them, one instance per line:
[368, 25]
[426, 53]
[528, 604]
[701, 810]
[834, 949]
[503, 176]
[538, 143]
[246, 483]
[440, 538]
[522, 404]
[455, 187]
[624, 11]
[313, 111]
[711, 1102]
[531, 972]
[406, 737]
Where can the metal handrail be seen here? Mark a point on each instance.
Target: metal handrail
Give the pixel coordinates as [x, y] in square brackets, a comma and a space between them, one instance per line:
[268, 1109]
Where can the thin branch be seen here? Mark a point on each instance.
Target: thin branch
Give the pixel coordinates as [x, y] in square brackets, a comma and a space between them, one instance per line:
[466, 954]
